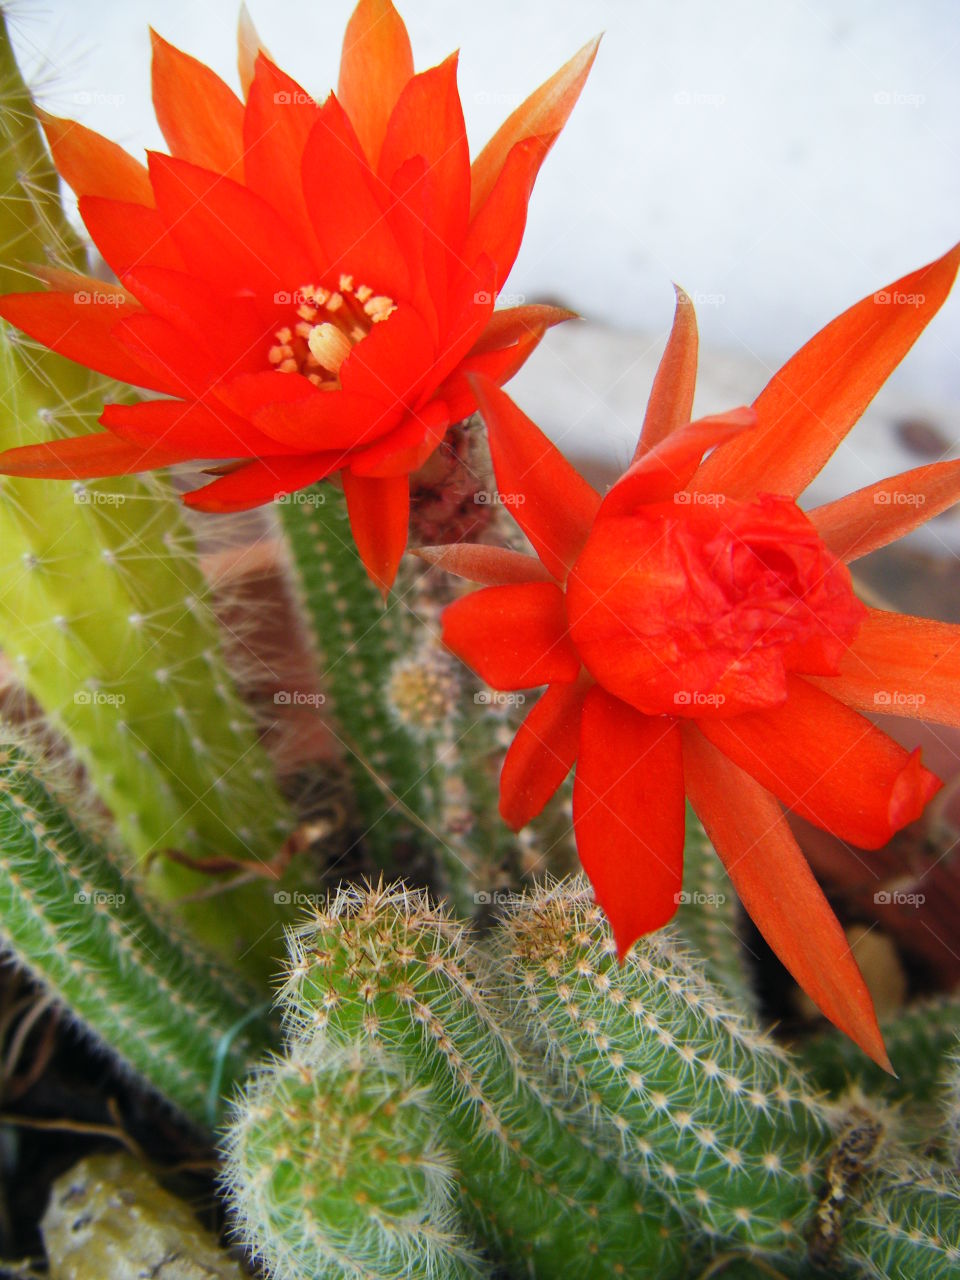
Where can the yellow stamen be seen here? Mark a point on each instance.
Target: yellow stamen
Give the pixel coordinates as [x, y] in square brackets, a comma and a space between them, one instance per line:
[329, 346]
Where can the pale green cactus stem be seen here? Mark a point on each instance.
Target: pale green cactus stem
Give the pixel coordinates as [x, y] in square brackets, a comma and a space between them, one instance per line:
[334, 1170]
[710, 916]
[706, 1106]
[103, 608]
[169, 1014]
[109, 1219]
[905, 1222]
[385, 963]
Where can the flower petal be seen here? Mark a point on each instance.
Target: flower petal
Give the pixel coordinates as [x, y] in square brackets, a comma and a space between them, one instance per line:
[497, 366]
[199, 116]
[93, 165]
[187, 427]
[671, 399]
[129, 235]
[666, 469]
[392, 362]
[809, 406]
[315, 420]
[498, 227]
[628, 814]
[514, 637]
[880, 513]
[83, 331]
[375, 65]
[379, 513]
[899, 665]
[542, 754]
[553, 504]
[490, 566]
[778, 890]
[227, 234]
[511, 325]
[344, 199]
[828, 764]
[428, 121]
[543, 115]
[84, 458]
[263, 480]
[407, 447]
[249, 45]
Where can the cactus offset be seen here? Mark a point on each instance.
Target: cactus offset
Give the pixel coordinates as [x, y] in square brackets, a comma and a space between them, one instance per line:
[334, 1170]
[706, 1106]
[174, 1017]
[386, 964]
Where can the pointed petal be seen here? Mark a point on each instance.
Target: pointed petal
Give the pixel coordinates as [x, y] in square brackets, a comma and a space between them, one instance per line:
[628, 814]
[668, 467]
[227, 234]
[498, 226]
[828, 764]
[344, 199]
[84, 458]
[428, 121]
[497, 366]
[187, 427]
[511, 325]
[249, 45]
[129, 235]
[778, 890]
[490, 566]
[83, 330]
[543, 115]
[379, 518]
[899, 665]
[276, 126]
[542, 754]
[375, 65]
[261, 481]
[809, 406]
[199, 116]
[92, 165]
[671, 400]
[514, 637]
[880, 513]
[552, 502]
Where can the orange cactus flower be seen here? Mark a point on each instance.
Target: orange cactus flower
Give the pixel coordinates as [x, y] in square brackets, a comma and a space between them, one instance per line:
[308, 283]
[699, 637]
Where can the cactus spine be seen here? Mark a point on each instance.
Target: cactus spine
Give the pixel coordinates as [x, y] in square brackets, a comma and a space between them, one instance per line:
[336, 1172]
[386, 964]
[68, 915]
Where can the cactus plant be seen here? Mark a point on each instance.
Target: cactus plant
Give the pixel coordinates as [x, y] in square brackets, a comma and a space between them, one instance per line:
[536, 1185]
[335, 1169]
[178, 1019]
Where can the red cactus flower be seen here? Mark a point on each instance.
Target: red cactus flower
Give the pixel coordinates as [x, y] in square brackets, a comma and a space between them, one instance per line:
[699, 636]
[308, 283]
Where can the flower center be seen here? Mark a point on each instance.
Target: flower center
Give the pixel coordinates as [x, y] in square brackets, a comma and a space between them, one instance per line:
[329, 324]
[698, 610]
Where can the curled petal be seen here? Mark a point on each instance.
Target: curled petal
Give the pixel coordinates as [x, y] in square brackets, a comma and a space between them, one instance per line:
[778, 890]
[628, 814]
[514, 637]
[542, 754]
[671, 399]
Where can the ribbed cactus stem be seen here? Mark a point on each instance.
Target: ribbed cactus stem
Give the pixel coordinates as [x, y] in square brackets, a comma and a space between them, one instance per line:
[905, 1223]
[170, 1015]
[708, 1108]
[334, 1170]
[385, 963]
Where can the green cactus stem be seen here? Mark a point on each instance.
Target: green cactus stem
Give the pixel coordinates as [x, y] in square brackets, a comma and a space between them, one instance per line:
[905, 1223]
[385, 963]
[170, 1015]
[334, 1171]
